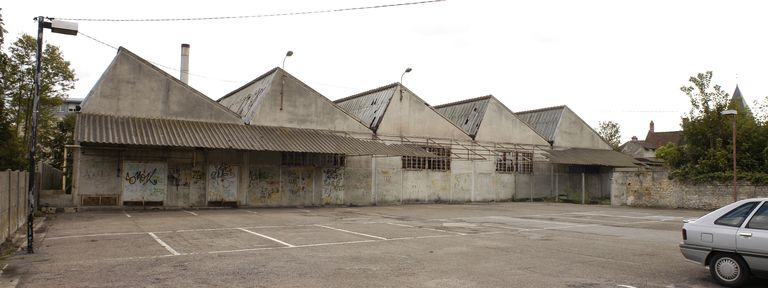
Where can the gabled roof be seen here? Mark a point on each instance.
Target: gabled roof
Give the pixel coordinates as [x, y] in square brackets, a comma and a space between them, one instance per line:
[466, 114]
[655, 140]
[544, 121]
[245, 105]
[132, 86]
[369, 106]
[278, 86]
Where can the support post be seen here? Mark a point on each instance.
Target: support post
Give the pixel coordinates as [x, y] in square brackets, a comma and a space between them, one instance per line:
[583, 189]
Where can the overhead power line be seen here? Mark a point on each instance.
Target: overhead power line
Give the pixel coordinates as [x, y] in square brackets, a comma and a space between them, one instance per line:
[158, 64]
[251, 16]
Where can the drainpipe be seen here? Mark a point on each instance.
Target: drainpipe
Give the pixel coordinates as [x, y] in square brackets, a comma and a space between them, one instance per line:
[184, 63]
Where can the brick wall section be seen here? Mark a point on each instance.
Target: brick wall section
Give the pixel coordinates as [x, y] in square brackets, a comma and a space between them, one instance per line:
[655, 189]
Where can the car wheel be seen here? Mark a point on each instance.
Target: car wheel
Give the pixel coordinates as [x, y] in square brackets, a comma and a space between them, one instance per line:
[729, 270]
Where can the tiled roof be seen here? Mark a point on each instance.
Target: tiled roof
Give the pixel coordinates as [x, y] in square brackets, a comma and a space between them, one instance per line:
[657, 139]
[123, 130]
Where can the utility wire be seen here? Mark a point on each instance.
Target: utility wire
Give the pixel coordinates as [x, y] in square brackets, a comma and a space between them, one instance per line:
[158, 64]
[252, 16]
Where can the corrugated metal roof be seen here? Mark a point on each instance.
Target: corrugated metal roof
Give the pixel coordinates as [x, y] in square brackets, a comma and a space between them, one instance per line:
[581, 156]
[544, 121]
[466, 114]
[243, 101]
[369, 106]
[122, 130]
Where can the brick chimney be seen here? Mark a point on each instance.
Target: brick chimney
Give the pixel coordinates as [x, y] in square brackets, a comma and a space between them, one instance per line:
[634, 138]
[651, 128]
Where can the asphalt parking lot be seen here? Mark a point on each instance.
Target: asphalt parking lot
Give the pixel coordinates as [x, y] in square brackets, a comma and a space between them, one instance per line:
[474, 245]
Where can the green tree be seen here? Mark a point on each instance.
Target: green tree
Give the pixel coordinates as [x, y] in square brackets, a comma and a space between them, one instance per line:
[707, 137]
[17, 66]
[10, 148]
[611, 133]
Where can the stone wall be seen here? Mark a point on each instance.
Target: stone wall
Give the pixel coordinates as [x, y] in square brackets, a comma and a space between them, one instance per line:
[654, 189]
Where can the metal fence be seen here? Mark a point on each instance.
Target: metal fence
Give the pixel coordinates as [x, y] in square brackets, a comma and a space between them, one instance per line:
[13, 201]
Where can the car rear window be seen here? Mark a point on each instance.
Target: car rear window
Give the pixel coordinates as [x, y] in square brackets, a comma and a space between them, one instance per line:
[736, 216]
[760, 219]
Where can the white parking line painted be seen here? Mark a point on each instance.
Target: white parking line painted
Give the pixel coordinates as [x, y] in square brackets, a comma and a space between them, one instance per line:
[425, 228]
[100, 235]
[252, 212]
[582, 219]
[266, 237]
[162, 243]
[190, 212]
[352, 232]
[630, 217]
[3, 269]
[126, 214]
[304, 210]
[626, 286]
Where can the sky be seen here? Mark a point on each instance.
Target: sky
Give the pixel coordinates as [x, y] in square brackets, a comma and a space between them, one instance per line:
[621, 61]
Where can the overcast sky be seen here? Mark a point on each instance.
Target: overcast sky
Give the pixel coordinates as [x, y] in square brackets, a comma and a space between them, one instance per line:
[622, 61]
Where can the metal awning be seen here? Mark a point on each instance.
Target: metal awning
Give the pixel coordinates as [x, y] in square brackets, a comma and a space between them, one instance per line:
[581, 156]
[124, 130]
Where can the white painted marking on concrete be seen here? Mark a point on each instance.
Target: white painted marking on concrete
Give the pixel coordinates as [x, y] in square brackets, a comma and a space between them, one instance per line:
[401, 225]
[3, 269]
[626, 286]
[418, 237]
[336, 243]
[266, 237]
[126, 214]
[581, 219]
[248, 250]
[252, 212]
[100, 235]
[190, 212]
[352, 232]
[162, 243]
[304, 210]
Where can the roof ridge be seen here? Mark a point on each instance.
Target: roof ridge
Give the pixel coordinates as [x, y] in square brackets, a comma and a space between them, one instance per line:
[542, 109]
[257, 79]
[122, 49]
[486, 97]
[371, 91]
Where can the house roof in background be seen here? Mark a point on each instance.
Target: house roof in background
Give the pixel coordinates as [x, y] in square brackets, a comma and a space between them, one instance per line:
[657, 139]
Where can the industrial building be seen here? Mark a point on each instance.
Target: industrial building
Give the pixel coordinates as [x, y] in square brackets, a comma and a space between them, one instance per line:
[145, 138]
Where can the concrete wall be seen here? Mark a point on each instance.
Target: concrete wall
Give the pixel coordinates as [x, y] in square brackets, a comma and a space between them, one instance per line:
[573, 132]
[302, 107]
[501, 125]
[654, 189]
[13, 201]
[133, 87]
[412, 117]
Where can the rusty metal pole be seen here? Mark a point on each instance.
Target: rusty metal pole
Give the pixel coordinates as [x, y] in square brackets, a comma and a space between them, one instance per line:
[733, 128]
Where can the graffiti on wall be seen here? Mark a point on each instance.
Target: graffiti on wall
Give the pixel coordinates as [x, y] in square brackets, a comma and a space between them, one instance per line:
[297, 184]
[333, 185]
[264, 185]
[144, 181]
[222, 182]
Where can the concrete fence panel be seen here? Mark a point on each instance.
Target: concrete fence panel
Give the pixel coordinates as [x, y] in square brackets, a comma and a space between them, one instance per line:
[13, 201]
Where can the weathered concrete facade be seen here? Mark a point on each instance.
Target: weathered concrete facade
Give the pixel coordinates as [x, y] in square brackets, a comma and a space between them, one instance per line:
[503, 159]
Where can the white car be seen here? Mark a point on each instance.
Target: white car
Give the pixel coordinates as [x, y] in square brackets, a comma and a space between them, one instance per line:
[732, 241]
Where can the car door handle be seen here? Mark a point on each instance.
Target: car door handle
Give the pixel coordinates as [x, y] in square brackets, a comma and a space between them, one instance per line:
[745, 234]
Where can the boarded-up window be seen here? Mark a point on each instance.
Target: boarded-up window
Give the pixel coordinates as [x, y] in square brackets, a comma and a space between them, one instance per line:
[440, 162]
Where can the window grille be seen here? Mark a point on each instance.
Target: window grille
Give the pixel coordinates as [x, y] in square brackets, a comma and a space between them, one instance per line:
[313, 159]
[514, 162]
[440, 162]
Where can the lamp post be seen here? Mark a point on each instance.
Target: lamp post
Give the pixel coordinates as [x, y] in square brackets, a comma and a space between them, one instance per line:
[407, 70]
[56, 26]
[289, 54]
[733, 144]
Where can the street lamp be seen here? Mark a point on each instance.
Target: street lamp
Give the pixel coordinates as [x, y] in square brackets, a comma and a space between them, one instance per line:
[733, 144]
[407, 70]
[56, 26]
[289, 54]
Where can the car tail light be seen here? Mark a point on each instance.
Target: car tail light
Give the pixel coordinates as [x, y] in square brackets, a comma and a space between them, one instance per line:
[685, 235]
